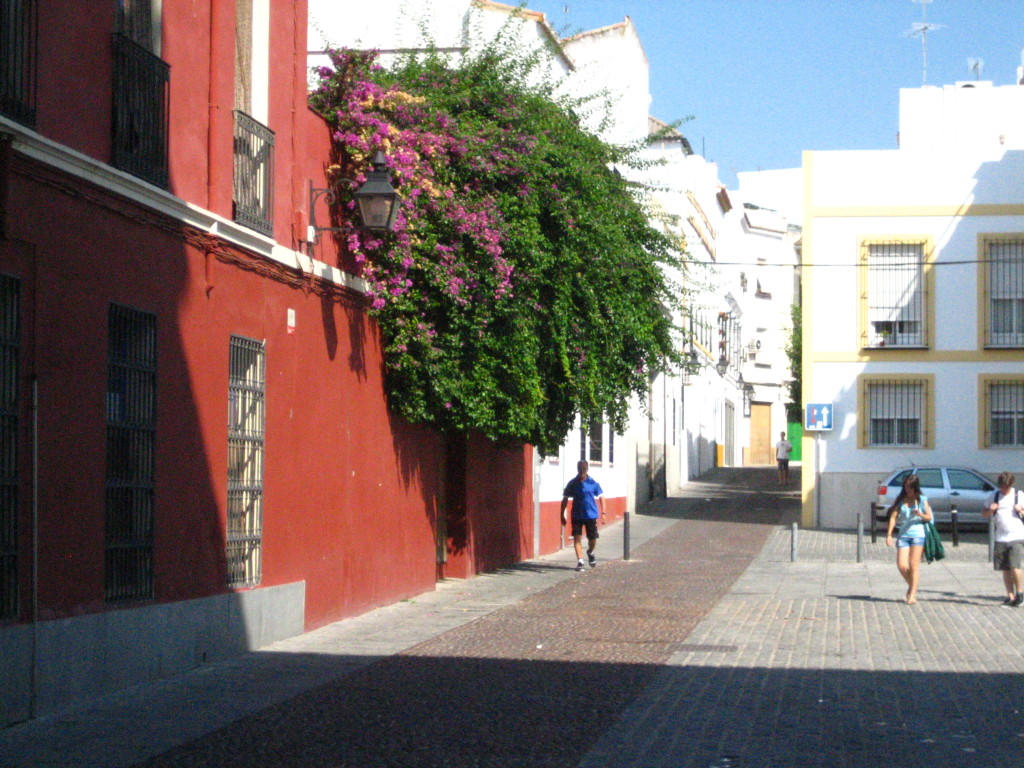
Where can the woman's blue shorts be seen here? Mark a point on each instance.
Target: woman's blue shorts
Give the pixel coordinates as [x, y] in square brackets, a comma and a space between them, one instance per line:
[909, 541]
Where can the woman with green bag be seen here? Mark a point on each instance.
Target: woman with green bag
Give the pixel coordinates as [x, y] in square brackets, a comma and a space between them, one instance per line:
[909, 515]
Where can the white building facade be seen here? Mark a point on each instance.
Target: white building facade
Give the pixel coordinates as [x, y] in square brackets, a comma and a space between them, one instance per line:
[913, 298]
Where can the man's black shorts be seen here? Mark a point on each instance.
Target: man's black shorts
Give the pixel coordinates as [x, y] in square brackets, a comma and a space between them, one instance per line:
[590, 524]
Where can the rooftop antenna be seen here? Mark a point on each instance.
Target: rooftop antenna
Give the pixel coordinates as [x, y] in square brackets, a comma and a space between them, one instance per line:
[975, 66]
[921, 28]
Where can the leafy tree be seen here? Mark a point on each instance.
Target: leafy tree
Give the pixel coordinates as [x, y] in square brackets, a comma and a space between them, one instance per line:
[794, 350]
[524, 282]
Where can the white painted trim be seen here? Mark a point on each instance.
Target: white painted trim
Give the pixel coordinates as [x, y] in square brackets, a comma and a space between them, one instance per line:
[78, 165]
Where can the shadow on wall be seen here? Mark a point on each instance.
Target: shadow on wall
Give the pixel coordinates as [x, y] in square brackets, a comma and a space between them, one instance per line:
[849, 474]
[126, 490]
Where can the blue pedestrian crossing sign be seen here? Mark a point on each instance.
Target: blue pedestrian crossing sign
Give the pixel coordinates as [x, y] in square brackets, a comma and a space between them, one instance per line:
[818, 417]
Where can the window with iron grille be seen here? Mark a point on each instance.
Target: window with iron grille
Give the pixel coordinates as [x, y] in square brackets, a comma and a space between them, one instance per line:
[131, 459]
[246, 419]
[18, 45]
[895, 292]
[1004, 411]
[895, 411]
[1004, 285]
[9, 391]
[254, 174]
[141, 111]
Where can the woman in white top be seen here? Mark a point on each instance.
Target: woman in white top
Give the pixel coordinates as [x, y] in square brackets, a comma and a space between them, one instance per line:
[1008, 553]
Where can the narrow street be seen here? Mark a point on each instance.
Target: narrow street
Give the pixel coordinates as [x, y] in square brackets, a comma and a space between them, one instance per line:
[708, 648]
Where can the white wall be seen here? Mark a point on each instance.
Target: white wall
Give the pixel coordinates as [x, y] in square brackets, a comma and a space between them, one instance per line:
[951, 181]
[968, 114]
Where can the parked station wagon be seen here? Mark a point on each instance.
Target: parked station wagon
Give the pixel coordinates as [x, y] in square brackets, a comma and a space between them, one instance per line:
[963, 487]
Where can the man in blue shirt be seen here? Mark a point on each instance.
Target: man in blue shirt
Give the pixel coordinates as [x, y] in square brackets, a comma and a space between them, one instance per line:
[586, 495]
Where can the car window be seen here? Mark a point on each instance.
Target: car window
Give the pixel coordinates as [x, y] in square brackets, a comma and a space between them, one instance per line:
[898, 479]
[930, 478]
[967, 481]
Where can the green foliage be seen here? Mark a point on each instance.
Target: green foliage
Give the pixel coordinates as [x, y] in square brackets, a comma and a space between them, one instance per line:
[524, 282]
[794, 350]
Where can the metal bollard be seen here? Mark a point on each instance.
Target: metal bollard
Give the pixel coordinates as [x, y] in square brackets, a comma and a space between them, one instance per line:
[792, 545]
[860, 537]
[625, 535]
[954, 515]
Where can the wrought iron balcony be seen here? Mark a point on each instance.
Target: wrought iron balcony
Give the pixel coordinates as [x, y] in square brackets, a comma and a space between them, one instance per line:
[141, 111]
[254, 174]
[18, 40]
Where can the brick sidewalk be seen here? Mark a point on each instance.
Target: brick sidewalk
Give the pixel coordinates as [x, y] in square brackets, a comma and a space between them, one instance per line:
[529, 685]
[522, 668]
[819, 663]
[707, 649]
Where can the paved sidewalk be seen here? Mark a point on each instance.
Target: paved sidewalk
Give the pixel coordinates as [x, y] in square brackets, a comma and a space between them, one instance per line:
[708, 649]
[820, 663]
[130, 727]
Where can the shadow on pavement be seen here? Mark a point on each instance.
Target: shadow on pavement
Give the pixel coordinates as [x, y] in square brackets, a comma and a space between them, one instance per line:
[417, 711]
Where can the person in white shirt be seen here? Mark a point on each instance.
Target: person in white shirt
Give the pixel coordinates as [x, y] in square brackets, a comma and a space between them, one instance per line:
[1009, 538]
[782, 450]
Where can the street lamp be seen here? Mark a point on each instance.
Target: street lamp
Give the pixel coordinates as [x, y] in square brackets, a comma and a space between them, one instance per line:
[377, 200]
[748, 398]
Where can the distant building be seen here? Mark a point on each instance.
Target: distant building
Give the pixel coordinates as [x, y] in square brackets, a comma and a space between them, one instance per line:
[913, 297]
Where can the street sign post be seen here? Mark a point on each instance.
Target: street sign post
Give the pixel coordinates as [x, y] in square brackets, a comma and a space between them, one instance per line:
[818, 417]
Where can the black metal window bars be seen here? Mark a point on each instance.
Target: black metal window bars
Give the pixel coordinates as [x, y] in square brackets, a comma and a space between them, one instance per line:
[896, 295]
[895, 411]
[1005, 283]
[254, 174]
[246, 421]
[18, 46]
[141, 111]
[1006, 413]
[131, 459]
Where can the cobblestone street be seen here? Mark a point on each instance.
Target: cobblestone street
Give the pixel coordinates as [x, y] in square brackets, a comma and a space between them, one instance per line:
[708, 648]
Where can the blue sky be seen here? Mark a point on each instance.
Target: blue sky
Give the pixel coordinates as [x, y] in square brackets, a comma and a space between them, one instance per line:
[766, 79]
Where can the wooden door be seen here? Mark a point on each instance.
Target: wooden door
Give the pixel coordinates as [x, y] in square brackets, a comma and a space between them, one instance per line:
[762, 449]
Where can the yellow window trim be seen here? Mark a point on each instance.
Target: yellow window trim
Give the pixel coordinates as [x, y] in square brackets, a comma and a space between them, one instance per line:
[927, 382]
[927, 242]
[984, 420]
[984, 317]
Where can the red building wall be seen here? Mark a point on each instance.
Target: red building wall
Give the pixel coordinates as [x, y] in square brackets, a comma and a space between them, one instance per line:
[354, 498]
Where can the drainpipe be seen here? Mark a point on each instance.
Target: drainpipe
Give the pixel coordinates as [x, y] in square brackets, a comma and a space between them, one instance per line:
[650, 439]
[33, 698]
[34, 663]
